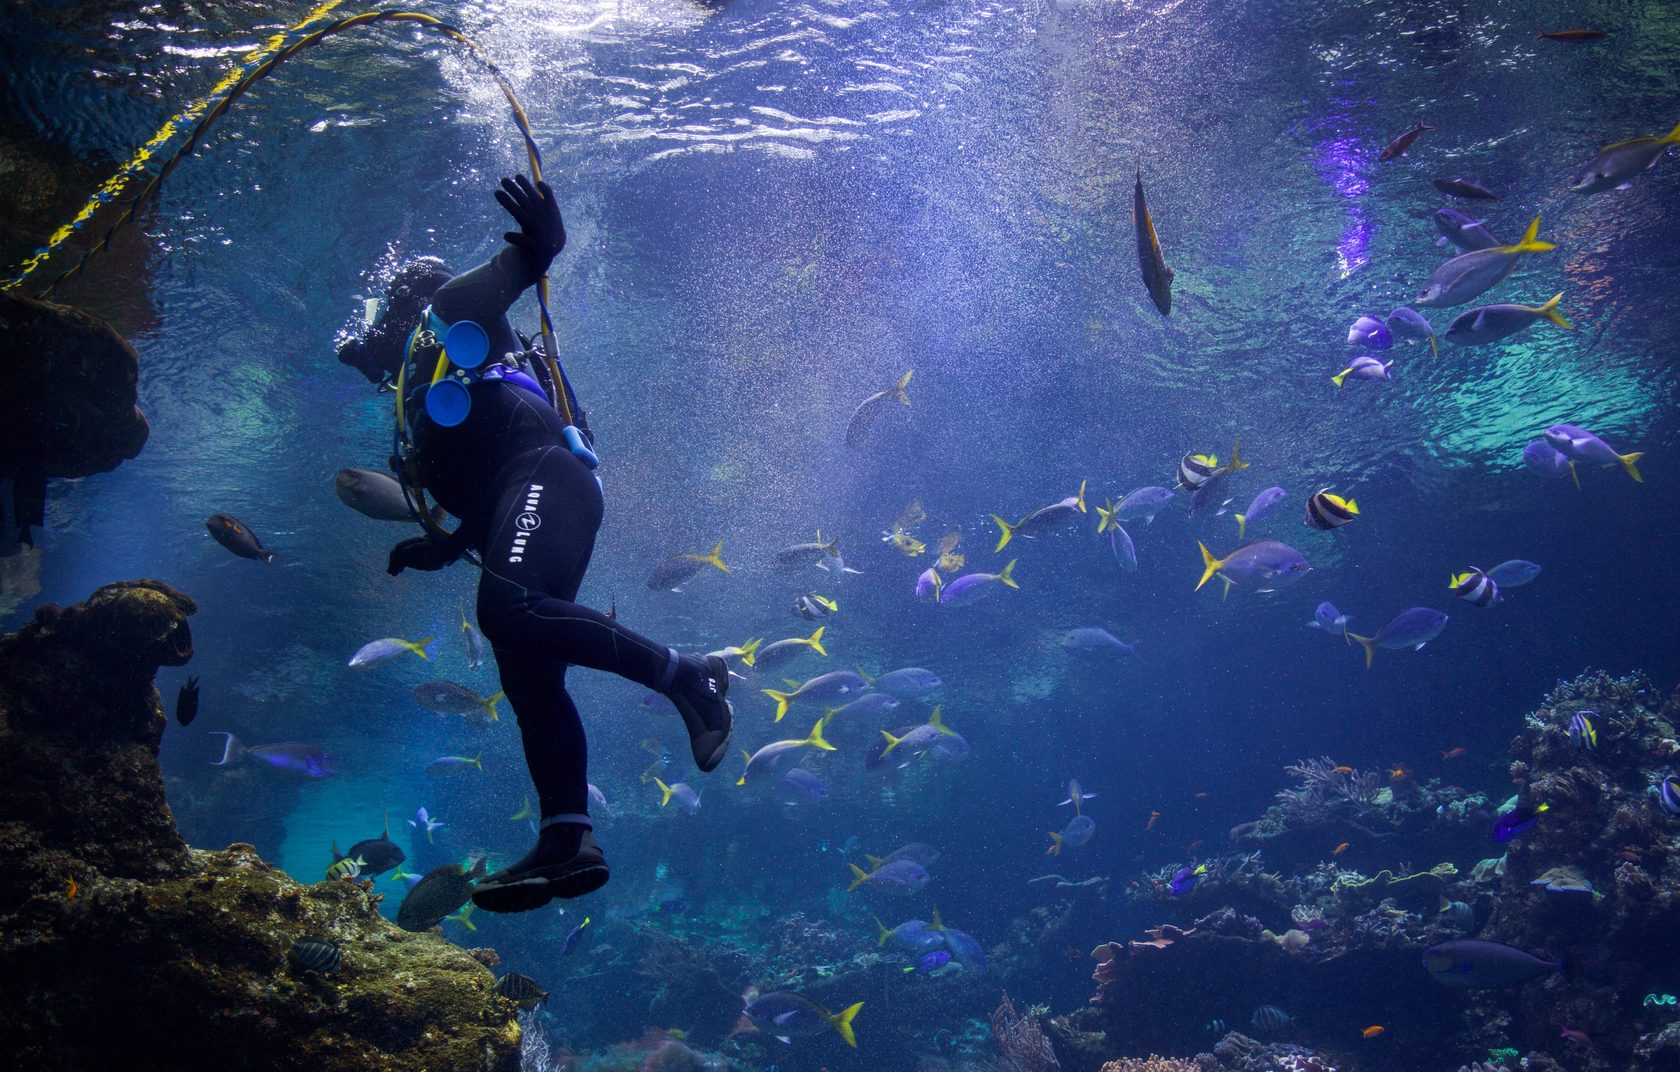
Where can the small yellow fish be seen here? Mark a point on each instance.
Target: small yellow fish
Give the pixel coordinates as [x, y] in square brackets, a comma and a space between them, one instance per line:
[904, 543]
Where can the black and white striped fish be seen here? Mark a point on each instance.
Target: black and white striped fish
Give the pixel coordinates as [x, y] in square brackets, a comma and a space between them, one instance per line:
[1475, 587]
[1194, 470]
[1326, 511]
[318, 954]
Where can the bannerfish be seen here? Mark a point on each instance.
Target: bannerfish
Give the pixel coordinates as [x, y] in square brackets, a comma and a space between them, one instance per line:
[1157, 277]
[1399, 145]
[1363, 368]
[1469, 274]
[1326, 511]
[375, 652]
[293, 757]
[1265, 565]
[1195, 469]
[1582, 445]
[1468, 189]
[1475, 963]
[232, 534]
[1490, 323]
[1261, 505]
[676, 569]
[1462, 231]
[1044, 520]
[870, 409]
[813, 607]
[1412, 628]
[1475, 587]
[1616, 165]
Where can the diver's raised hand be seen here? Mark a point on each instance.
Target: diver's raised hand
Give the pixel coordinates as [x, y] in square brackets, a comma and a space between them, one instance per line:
[541, 234]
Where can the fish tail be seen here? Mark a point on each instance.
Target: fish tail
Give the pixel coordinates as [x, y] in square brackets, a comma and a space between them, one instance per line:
[815, 641]
[1530, 241]
[1630, 463]
[478, 761]
[867, 680]
[874, 861]
[1242, 520]
[1006, 529]
[781, 699]
[419, 647]
[815, 738]
[1236, 461]
[1210, 565]
[1550, 312]
[843, 1023]
[490, 704]
[1105, 515]
[1079, 500]
[267, 555]
[716, 557]
[1055, 848]
[232, 751]
[749, 650]
[663, 788]
[937, 924]
[861, 876]
[898, 388]
[885, 934]
[1007, 575]
[892, 743]
[1673, 136]
[1368, 643]
[1342, 375]
[742, 780]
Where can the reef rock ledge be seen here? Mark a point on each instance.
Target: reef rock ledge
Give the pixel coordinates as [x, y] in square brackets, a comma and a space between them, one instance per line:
[120, 947]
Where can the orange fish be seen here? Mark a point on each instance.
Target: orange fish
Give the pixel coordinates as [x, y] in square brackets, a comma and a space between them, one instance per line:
[1373, 1031]
[1339, 849]
[1341, 770]
[1201, 796]
[1397, 773]
[1454, 753]
[1153, 816]
[71, 894]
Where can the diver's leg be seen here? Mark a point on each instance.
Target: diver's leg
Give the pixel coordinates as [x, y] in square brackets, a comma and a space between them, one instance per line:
[541, 536]
[566, 861]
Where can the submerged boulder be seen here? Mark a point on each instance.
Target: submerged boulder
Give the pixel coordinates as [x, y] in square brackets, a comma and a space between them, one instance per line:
[122, 948]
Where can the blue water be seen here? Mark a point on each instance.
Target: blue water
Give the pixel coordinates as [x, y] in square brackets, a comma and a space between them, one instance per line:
[775, 210]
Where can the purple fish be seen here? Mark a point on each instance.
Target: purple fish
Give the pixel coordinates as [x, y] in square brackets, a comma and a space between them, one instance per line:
[899, 876]
[1185, 879]
[1262, 505]
[1363, 368]
[1514, 573]
[1475, 963]
[1582, 445]
[1077, 832]
[1410, 325]
[1490, 323]
[1265, 565]
[1329, 619]
[1143, 503]
[1411, 628]
[930, 961]
[972, 587]
[929, 584]
[1371, 332]
[294, 757]
[1120, 542]
[1541, 457]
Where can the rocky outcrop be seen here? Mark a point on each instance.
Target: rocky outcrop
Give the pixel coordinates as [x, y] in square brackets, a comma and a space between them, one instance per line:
[122, 948]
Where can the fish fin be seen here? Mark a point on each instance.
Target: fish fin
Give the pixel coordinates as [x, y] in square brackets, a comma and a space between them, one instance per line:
[867, 680]
[1242, 522]
[1236, 463]
[892, 743]
[267, 555]
[781, 699]
[1368, 643]
[874, 861]
[1352, 507]
[898, 388]
[337, 856]
[815, 641]
[478, 761]
[490, 704]
[233, 750]
[1575, 475]
[937, 924]
[419, 647]
[716, 557]
[1007, 575]
[862, 876]
[665, 789]
[1079, 500]
[790, 683]
[1006, 529]
[843, 1023]
[1529, 242]
[937, 721]
[1434, 351]
[1630, 463]
[1550, 312]
[1210, 566]
[749, 650]
[1105, 515]
[815, 737]
[1339, 377]
[885, 934]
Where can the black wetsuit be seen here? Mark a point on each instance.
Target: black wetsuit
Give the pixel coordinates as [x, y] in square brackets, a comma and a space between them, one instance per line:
[531, 509]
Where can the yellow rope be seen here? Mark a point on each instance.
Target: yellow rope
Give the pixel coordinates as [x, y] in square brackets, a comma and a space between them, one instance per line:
[113, 186]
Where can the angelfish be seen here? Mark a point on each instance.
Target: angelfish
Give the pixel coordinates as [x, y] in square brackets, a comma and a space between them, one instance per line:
[1157, 277]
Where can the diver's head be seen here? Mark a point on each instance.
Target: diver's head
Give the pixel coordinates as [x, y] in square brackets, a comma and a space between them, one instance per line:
[377, 353]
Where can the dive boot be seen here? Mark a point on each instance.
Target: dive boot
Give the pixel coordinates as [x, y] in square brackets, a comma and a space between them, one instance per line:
[562, 865]
[699, 695]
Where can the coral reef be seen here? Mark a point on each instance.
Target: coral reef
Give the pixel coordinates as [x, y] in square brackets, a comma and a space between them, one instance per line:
[122, 948]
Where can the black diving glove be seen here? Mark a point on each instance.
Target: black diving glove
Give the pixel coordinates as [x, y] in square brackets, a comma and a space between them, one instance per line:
[421, 553]
[542, 234]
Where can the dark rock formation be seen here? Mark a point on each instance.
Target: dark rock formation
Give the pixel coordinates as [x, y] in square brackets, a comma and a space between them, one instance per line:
[67, 391]
[122, 948]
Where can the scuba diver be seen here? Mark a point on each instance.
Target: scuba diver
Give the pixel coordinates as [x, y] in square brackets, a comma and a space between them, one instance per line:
[493, 441]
